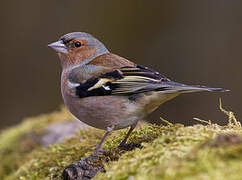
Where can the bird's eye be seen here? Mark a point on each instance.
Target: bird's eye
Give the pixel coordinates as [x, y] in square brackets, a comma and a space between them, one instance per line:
[78, 44]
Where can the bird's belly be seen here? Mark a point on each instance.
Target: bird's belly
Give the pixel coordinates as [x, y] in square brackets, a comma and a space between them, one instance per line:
[103, 111]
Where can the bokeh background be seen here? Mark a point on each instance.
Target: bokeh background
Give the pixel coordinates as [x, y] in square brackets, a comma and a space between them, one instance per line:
[194, 42]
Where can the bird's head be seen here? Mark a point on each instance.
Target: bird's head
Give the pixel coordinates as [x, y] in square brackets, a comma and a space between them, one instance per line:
[77, 48]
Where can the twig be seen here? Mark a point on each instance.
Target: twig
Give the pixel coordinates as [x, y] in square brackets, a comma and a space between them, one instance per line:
[167, 122]
[233, 122]
[204, 121]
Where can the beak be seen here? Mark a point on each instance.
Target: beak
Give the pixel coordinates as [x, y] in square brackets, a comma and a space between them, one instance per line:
[58, 46]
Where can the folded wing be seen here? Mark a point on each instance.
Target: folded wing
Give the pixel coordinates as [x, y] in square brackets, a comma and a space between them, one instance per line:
[129, 80]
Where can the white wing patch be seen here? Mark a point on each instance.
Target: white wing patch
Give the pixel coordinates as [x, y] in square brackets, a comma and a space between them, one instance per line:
[72, 85]
[106, 87]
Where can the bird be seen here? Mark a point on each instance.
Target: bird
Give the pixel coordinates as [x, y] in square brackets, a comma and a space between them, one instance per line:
[107, 91]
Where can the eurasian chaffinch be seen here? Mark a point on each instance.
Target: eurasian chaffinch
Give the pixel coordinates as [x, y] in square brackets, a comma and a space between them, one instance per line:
[107, 91]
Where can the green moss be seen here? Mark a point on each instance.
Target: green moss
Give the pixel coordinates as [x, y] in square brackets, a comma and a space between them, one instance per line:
[49, 162]
[168, 152]
[177, 153]
[16, 144]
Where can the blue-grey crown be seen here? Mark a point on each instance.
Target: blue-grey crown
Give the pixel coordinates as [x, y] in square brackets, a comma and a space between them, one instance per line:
[92, 41]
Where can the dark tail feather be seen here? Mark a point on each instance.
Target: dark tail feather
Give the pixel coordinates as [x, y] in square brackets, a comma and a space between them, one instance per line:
[195, 88]
[172, 87]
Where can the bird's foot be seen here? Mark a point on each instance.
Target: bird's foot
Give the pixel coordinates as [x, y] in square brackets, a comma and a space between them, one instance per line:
[99, 152]
[122, 143]
[84, 169]
[129, 146]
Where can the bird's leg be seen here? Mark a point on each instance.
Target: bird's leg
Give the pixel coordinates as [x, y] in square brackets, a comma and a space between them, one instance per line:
[98, 147]
[123, 142]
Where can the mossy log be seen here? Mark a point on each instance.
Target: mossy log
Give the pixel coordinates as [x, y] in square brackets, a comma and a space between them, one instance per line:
[31, 151]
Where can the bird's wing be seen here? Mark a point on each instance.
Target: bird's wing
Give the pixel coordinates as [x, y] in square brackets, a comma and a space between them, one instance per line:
[126, 80]
[131, 80]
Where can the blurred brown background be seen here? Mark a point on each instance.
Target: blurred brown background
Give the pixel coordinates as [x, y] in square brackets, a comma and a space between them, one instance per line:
[194, 42]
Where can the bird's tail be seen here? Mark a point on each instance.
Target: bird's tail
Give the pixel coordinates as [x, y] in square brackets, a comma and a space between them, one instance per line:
[172, 87]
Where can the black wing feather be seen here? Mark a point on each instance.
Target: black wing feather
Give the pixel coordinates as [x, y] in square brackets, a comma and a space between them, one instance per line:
[124, 81]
